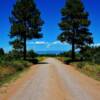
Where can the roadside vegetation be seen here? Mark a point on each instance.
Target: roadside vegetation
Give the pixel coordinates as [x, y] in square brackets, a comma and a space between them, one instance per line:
[91, 63]
[88, 68]
[12, 65]
[88, 62]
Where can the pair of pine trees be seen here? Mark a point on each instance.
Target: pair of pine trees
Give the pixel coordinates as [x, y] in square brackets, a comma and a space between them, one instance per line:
[26, 24]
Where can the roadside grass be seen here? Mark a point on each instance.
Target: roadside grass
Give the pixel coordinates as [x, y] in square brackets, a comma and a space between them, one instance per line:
[9, 78]
[88, 68]
[10, 71]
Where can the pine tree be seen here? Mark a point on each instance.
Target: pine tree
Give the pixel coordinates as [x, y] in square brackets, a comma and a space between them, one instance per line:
[74, 24]
[17, 45]
[25, 23]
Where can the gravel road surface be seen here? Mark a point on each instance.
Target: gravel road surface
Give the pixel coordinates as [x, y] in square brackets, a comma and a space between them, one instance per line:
[54, 80]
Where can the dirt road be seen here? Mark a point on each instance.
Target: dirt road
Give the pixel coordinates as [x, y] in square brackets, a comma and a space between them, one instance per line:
[54, 80]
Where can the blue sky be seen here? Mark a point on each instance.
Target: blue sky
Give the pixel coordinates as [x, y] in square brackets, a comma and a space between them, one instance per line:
[50, 13]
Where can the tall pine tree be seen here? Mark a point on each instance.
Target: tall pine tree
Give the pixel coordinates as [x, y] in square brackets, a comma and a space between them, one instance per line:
[74, 24]
[17, 45]
[25, 23]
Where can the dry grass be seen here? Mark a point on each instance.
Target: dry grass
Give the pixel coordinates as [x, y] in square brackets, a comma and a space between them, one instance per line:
[90, 69]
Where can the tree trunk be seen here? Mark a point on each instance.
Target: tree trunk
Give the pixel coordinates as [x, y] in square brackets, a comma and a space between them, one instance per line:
[73, 51]
[24, 48]
[73, 45]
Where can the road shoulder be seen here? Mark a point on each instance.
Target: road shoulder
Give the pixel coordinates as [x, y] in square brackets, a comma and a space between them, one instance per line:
[9, 89]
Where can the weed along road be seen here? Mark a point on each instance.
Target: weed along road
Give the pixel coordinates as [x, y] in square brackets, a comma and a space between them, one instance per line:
[54, 80]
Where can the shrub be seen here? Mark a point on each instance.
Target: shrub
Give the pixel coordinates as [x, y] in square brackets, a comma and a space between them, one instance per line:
[17, 65]
[80, 65]
[97, 58]
[20, 65]
[31, 54]
[34, 61]
[26, 64]
[92, 54]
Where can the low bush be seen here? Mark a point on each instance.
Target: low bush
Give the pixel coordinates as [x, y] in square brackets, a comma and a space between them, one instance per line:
[17, 65]
[80, 65]
[20, 65]
[33, 60]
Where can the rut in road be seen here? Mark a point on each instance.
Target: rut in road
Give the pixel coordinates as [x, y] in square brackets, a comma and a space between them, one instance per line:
[56, 81]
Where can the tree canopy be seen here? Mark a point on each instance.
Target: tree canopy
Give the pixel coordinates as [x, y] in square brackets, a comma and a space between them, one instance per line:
[74, 24]
[25, 23]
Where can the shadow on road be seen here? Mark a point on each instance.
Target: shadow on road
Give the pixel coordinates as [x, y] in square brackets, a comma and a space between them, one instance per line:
[43, 63]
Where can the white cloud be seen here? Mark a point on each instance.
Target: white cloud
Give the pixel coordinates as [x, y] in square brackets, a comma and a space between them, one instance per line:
[50, 44]
[38, 42]
[96, 44]
[56, 42]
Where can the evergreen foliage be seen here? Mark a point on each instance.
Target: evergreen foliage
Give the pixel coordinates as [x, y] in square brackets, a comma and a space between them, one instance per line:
[74, 24]
[25, 24]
